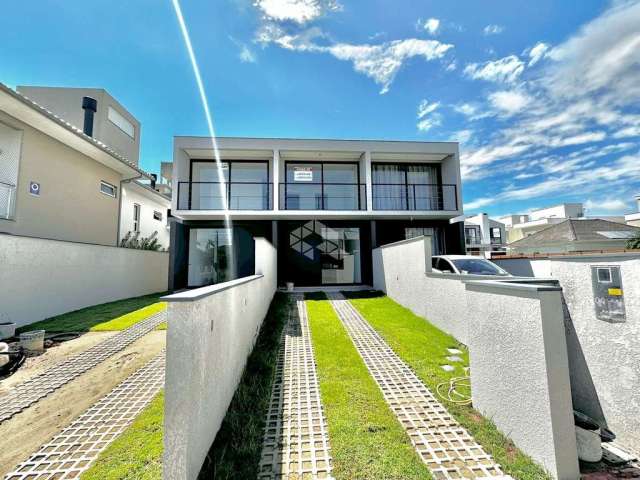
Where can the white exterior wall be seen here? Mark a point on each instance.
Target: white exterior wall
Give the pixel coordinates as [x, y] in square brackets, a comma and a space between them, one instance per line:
[611, 351]
[565, 210]
[211, 332]
[133, 193]
[43, 278]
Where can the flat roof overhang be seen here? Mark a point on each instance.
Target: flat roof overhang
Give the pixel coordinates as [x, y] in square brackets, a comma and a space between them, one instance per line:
[314, 214]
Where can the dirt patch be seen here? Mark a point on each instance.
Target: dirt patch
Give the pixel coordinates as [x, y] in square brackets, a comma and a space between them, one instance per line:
[52, 356]
[27, 431]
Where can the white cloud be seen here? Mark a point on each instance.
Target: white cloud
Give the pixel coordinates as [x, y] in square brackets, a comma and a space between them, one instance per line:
[627, 132]
[451, 66]
[493, 29]
[537, 53]
[605, 205]
[506, 70]
[246, 55]
[432, 26]
[297, 11]
[427, 115]
[478, 203]
[463, 136]
[509, 102]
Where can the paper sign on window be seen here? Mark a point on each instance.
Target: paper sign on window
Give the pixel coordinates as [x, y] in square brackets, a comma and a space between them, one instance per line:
[302, 174]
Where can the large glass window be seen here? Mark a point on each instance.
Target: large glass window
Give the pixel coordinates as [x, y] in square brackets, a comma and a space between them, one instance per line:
[249, 186]
[340, 255]
[321, 186]
[436, 234]
[209, 256]
[401, 186]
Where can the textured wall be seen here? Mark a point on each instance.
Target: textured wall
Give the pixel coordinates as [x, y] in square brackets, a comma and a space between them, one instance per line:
[211, 332]
[520, 371]
[611, 351]
[42, 278]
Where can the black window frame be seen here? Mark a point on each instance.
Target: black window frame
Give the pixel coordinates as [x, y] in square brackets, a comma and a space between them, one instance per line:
[406, 177]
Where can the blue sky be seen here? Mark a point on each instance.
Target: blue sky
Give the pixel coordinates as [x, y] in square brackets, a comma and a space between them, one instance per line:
[544, 96]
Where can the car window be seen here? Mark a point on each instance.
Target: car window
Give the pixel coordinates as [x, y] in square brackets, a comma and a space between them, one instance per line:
[434, 262]
[445, 266]
[478, 266]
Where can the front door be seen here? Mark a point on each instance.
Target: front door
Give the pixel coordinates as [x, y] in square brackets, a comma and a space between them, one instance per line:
[320, 254]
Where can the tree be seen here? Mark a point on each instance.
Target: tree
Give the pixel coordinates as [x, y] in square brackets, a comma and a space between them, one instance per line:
[145, 243]
[634, 243]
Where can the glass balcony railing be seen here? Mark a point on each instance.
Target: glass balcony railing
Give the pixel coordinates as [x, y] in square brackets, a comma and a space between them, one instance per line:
[415, 196]
[323, 196]
[212, 195]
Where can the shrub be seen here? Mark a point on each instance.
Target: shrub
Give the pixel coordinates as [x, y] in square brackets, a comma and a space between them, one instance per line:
[133, 240]
[634, 242]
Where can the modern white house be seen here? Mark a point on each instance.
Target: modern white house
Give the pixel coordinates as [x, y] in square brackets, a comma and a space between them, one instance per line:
[484, 235]
[522, 225]
[58, 184]
[633, 219]
[324, 204]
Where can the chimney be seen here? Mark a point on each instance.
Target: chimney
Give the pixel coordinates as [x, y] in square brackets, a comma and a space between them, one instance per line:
[154, 179]
[90, 106]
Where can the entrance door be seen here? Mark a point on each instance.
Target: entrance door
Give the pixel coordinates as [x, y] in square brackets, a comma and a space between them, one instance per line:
[319, 254]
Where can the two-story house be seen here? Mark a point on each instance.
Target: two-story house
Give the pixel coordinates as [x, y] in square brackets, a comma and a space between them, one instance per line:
[324, 204]
[484, 235]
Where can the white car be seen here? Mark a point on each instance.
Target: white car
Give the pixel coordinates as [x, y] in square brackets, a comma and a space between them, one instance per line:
[466, 265]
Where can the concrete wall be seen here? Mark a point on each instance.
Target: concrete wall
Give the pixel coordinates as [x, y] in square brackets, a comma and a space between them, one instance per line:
[211, 332]
[70, 205]
[610, 351]
[42, 278]
[520, 371]
[515, 333]
[134, 193]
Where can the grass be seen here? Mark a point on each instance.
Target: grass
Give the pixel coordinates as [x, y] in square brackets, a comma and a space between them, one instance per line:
[236, 450]
[423, 347]
[92, 318]
[367, 442]
[137, 453]
[125, 321]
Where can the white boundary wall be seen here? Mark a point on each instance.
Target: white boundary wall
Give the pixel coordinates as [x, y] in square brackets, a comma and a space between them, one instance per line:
[42, 278]
[517, 346]
[611, 350]
[211, 332]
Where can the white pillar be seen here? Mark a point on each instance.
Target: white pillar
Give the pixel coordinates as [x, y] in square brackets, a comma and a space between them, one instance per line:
[368, 179]
[276, 180]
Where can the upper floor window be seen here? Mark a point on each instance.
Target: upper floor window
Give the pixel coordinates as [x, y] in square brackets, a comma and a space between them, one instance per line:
[121, 122]
[157, 215]
[108, 189]
[136, 217]
[496, 234]
[406, 186]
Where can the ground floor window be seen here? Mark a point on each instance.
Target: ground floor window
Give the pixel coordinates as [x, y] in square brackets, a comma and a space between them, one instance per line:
[436, 234]
[210, 259]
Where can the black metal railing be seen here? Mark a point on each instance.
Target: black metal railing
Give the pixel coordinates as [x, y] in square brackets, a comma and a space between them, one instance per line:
[415, 196]
[212, 195]
[323, 196]
[473, 241]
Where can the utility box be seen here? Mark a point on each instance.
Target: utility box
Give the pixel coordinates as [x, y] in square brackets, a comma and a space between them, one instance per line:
[608, 295]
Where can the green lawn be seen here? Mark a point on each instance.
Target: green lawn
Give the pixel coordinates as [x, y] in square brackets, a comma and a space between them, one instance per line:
[125, 321]
[117, 315]
[367, 442]
[423, 347]
[137, 453]
[236, 451]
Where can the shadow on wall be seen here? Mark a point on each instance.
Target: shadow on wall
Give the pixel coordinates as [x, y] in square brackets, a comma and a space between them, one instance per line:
[583, 391]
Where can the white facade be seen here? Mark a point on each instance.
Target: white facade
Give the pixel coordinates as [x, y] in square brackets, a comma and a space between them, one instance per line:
[633, 219]
[483, 234]
[565, 210]
[151, 209]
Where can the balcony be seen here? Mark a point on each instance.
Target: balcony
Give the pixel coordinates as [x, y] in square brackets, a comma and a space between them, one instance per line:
[211, 195]
[323, 196]
[415, 196]
[7, 201]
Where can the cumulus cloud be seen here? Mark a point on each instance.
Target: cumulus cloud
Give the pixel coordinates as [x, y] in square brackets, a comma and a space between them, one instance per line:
[506, 70]
[509, 101]
[432, 25]
[537, 53]
[297, 11]
[493, 29]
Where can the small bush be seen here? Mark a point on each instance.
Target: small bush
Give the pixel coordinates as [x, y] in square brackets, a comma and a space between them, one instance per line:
[133, 240]
[634, 243]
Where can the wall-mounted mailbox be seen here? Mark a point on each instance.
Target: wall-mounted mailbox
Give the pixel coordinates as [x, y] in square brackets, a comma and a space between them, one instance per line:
[608, 295]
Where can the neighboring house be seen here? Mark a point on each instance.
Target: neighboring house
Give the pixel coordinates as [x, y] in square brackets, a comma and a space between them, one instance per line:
[57, 182]
[143, 207]
[633, 219]
[324, 204]
[483, 234]
[521, 226]
[144, 210]
[576, 235]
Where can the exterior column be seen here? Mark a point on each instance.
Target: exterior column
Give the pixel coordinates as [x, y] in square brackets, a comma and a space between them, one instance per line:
[276, 180]
[368, 179]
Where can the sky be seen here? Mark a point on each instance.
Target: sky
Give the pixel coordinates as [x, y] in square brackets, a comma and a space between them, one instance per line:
[544, 97]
